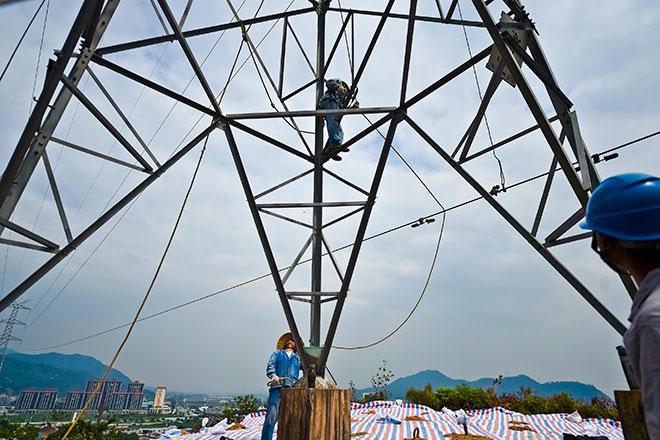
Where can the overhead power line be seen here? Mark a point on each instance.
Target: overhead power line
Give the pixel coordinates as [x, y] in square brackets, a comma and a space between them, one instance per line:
[20, 41]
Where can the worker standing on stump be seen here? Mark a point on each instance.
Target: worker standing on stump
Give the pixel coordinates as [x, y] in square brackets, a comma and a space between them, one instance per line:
[335, 97]
[624, 215]
[282, 369]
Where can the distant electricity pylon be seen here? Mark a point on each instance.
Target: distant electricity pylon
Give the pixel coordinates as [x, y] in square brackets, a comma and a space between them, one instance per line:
[7, 334]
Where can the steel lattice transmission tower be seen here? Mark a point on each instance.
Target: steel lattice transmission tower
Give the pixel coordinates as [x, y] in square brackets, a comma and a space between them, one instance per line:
[513, 46]
[8, 333]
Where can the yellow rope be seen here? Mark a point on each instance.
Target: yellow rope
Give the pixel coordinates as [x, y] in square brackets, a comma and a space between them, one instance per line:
[142, 304]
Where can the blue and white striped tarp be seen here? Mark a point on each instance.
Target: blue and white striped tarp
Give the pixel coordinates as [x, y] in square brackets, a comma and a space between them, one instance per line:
[494, 423]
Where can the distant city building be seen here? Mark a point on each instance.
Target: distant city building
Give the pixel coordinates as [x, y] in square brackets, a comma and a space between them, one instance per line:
[31, 400]
[109, 397]
[159, 399]
[103, 396]
[134, 396]
[74, 400]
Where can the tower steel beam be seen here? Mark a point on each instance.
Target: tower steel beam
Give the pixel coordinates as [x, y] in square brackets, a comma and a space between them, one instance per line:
[270, 258]
[90, 25]
[106, 123]
[540, 65]
[254, 53]
[152, 85]
[317, 212]
[546, 254]
[188, 52]
[357, 245]
[104, 218]
[196, 32]
[420, 18]
[36, 135]
[532, 102]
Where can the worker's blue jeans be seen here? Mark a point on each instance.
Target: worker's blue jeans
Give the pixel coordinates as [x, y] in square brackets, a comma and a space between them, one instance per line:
[272, 410]
[335, 133]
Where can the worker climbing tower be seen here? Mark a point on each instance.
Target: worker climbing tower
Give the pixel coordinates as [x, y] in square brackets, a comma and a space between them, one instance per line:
[513, 58]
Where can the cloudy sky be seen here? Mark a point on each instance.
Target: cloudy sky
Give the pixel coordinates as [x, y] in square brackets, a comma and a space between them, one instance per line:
[493, 305]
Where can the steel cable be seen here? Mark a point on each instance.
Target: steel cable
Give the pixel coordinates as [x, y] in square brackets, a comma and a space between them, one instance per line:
[20, 41]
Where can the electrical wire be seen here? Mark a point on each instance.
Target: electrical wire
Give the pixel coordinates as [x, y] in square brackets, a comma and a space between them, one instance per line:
[348, 50]
[32, 99]
[144, 299]
[627, 144]
[20, 41]
[433, 261]
[341, 248]
[419, 299]
[41, 46]
[481, 98]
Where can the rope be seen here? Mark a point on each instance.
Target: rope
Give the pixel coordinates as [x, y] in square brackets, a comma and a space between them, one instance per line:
[20, 41]
[41, 45]
[265, 87]
[419, 300]
[348, 50]
[476, 80]
[341, 248]
[144, 300]
[192, 78]
[433, 261]
[261, 78]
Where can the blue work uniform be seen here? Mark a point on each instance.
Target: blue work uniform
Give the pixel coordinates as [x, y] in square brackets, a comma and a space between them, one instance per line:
[287, 368]
[332, 100]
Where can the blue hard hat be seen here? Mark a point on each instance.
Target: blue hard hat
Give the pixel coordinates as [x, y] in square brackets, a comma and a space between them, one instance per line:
[626, 207]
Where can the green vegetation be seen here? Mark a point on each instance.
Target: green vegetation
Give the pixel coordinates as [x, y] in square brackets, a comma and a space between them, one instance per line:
[242, 406]
[82, 431]
[524, 401]
[88, 431]
[16, 431]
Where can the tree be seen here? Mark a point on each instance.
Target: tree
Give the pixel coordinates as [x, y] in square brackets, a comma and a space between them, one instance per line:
[91, 431]
[524, 401]
[242, 406]
[17, 431]
[425, 396]
[354, 396]
[379, 383]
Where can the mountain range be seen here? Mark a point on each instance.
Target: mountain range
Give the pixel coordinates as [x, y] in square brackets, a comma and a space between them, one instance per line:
[66, 372]
[509, 385]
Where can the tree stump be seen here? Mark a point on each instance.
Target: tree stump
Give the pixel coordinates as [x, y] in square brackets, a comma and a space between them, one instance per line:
[314, 414]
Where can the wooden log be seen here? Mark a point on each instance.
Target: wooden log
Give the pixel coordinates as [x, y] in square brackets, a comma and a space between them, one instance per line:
[631, 413]
[314, 414]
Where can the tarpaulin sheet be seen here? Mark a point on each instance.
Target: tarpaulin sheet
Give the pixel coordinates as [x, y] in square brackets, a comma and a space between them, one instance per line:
[494, 423]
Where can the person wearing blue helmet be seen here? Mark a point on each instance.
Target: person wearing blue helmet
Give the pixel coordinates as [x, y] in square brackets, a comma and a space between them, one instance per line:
[624, 215]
